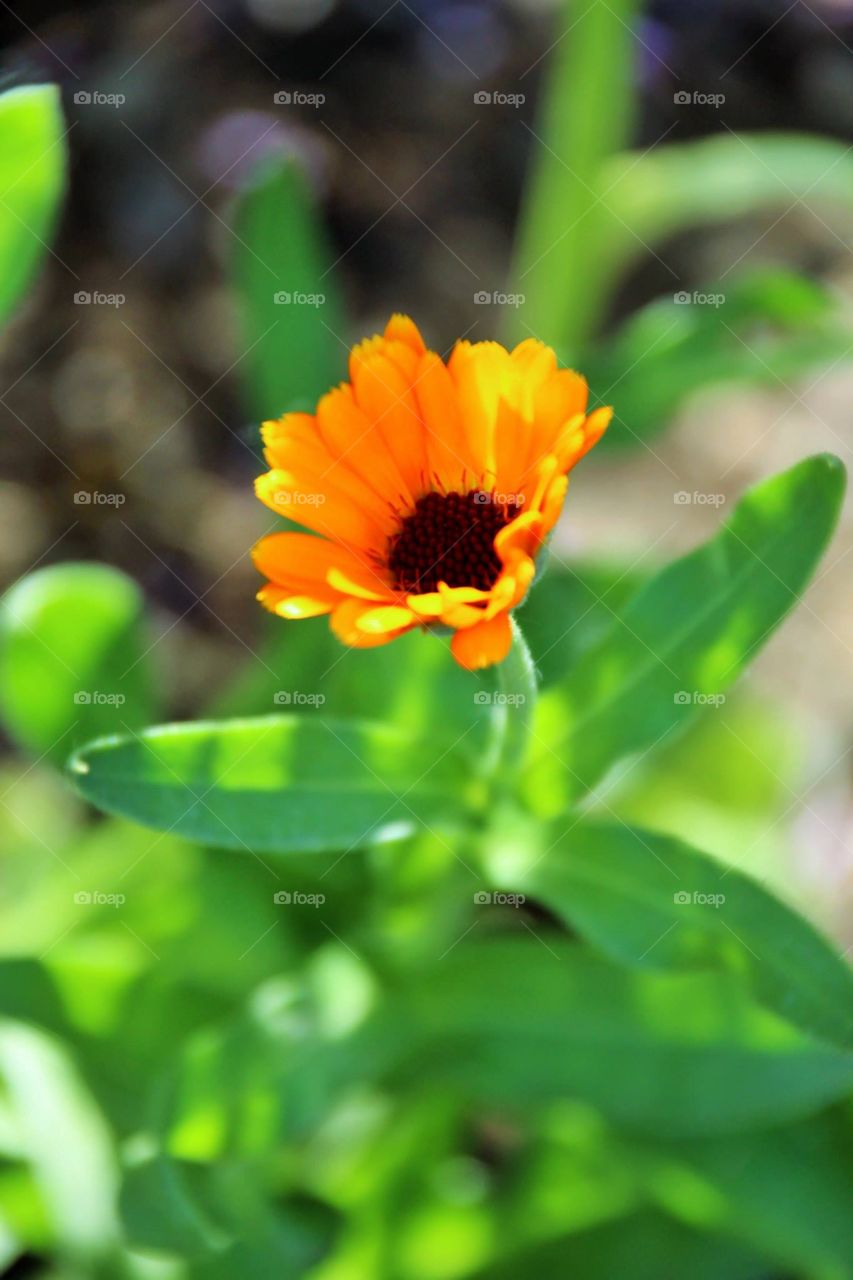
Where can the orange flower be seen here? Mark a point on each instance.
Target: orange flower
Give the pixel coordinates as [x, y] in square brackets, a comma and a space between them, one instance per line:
[431, 486]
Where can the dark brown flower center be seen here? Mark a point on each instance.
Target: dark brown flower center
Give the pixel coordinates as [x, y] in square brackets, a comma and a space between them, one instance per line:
[449, 537]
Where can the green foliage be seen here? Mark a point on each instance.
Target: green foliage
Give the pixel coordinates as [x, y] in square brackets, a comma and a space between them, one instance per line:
[275, 784]
[73, 658]
[652, 902]
[292, 319]
[534, 1020]
[32, 180]
[689, 631]
[769, 328]
[557, 259]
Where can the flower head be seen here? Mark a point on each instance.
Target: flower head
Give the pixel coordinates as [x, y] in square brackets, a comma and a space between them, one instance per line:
[431, 485]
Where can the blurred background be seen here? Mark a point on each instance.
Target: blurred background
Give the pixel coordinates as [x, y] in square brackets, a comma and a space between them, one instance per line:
[171, 107]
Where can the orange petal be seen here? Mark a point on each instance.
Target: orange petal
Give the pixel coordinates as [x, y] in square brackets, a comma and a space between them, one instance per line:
[287, 605]
[350, 436]
[389, 617]
[484, 644]
[344, 622]
[403, 329]
[384, 394]
[451, 464]
[331, 513]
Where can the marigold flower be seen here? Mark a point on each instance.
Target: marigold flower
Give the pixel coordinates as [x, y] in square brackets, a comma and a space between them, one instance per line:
[431, 485]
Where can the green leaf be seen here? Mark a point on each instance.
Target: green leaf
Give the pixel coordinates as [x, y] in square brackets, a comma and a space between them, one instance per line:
[161, 1208]
[653, 902]
[569, 609]
[647, 197]
[520, 1022]
[691, 630]
[275, 784]
[292, 316]
[785, 1192]
[645, 1246]
[585, 117]
[770, 327]
[32, 180]
[72, 650]
[76, 1175]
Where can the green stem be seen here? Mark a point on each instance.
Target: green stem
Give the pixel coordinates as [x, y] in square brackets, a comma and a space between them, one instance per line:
[515, 706]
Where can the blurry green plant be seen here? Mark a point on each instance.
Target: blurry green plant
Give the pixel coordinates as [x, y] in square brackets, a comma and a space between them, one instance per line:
[391, 989]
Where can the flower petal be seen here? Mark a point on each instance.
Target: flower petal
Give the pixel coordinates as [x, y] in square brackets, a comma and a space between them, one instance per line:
[484, 644]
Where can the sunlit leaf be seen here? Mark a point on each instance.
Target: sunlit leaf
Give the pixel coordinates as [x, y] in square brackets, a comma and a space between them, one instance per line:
[72, 658]
[32, 179]
[276, 784]
[767, 328]
[652, 902]
[292, 317]
[522, 1021]
[686, 636]
[76, 1175]
[584, 118]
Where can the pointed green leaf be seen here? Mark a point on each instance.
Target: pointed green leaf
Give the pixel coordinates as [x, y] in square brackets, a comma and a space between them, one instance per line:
[292, 316]
[650, 901]
[686, 636]
[275, 784]
[72, 658]
[522, 1021]
[32, 180]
